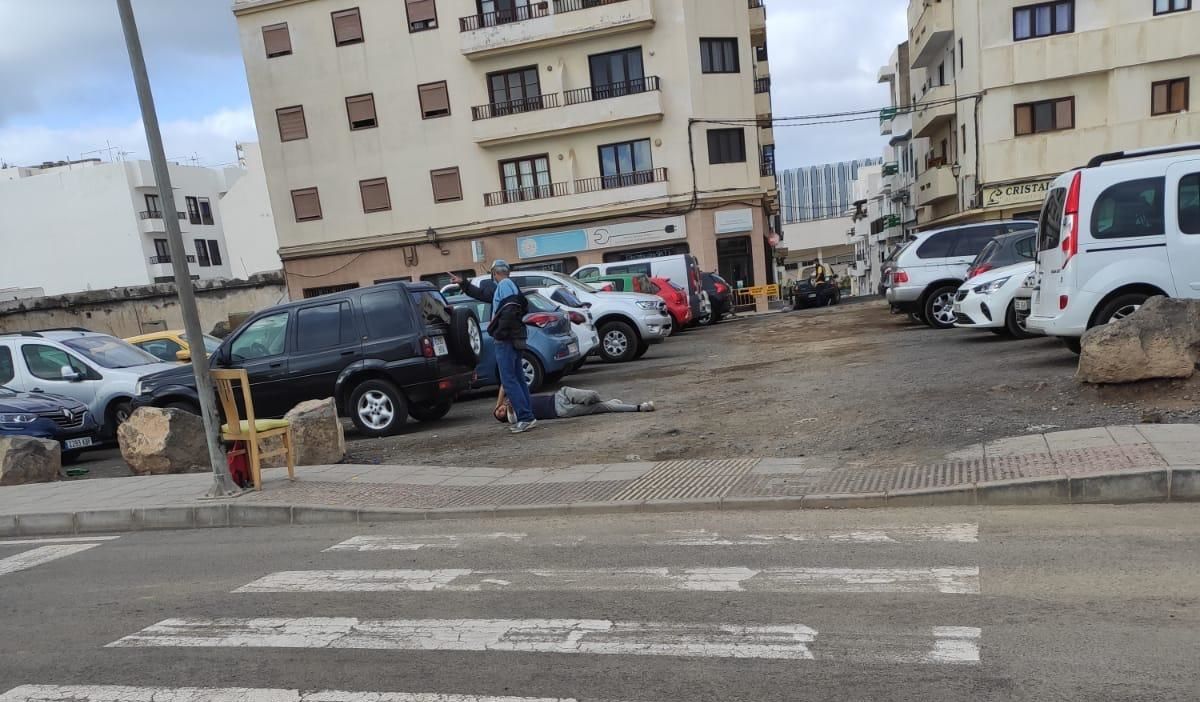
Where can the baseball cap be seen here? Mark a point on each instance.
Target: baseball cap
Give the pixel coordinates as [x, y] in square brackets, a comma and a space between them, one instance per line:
[500, 264]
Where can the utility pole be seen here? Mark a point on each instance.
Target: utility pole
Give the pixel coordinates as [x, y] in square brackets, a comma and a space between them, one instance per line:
[222, 483]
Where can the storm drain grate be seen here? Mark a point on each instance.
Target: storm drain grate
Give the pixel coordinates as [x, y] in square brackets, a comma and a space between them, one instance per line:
[682, 480]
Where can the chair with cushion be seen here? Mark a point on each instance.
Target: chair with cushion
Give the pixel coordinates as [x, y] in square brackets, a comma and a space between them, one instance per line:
[250, 430]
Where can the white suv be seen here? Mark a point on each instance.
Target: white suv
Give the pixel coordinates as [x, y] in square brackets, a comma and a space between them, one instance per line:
[1122, 229]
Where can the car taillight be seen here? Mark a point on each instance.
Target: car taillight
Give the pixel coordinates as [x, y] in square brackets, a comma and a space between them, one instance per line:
[540, 319]
[1062, 302]
[427, 347]
[722, 288]
[899, 277]
[576, 318]
[1070, 242]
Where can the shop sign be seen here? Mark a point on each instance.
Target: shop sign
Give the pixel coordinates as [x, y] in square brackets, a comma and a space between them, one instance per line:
[608, 236]
[734, 221]
[1015, 193]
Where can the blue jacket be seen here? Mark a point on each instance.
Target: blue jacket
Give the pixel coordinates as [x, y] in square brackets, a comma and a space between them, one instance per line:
[507, 325]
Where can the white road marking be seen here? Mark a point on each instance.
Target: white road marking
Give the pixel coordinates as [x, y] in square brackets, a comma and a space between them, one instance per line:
[953, 533]
[38, 556]
[58, 540]
[414, 543]
[115, 693]
[578, 636]
[948, 580]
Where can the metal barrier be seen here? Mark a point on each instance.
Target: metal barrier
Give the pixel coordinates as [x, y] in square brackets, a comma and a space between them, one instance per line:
[747, 296]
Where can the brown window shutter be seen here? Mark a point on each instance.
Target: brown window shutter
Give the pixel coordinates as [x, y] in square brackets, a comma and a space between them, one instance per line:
[291, 123]
[1179, 95]
[1024, 120]
[277, 40]
[375, 196]
[360, 110]
[435, 100]
[447, 185]
[1064, 114]
[347, 27]
[421, 11]
[307, 204]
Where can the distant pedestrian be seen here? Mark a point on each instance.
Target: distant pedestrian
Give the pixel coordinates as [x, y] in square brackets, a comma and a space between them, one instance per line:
[568, 402]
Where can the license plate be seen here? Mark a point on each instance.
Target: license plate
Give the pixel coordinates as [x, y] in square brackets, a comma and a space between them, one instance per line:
[78, 443]
[439, 346]
[811, 295]
[1021, 305]
[573, 349]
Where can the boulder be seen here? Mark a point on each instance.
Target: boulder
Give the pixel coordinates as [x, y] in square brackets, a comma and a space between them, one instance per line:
[1160, 340]
[317, 435]
[24, 459]
[157, 441]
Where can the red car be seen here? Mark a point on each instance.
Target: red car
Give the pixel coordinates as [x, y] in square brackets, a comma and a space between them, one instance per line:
[677, 302]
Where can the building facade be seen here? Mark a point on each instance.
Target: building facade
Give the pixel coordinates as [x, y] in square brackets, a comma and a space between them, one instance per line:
[402, 140]
[819, 192]
[1009, 94]
[249, 221]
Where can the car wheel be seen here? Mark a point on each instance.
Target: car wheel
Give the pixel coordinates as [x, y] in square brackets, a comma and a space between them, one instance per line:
[706, 320]
[618, 342]
[642, 349]
[118, 414]
[466, 339]
[430, 411]
[184, 405]
[939, 307]
[1015, 325]
[998, 331]
[1120, 307]
[531, 369]
[377, 408]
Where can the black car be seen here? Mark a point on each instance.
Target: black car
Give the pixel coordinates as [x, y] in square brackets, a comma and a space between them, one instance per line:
[811, 293]
[720, 295]
[47, 416]
[1005, 250]
[384, 353]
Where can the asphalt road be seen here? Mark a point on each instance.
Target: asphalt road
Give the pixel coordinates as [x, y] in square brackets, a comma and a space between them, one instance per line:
[1095, 603]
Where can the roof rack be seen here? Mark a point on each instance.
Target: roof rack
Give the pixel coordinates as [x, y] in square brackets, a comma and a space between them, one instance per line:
[22, 333]
[73, 329]
[1141, 153]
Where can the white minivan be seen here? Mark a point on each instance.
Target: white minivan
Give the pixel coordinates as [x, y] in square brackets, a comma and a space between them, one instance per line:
[1122, 229]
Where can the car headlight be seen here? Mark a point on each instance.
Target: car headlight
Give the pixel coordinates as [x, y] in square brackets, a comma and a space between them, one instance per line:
[648, 305]
[21, 418]
[139, 388]
[989, 288]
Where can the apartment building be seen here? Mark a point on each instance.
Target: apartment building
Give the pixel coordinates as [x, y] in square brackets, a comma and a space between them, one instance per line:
[819, 192]
[405, 139]
[1011, 93]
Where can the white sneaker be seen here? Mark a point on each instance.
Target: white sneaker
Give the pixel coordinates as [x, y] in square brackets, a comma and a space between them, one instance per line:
[522, 427]
[646, 407]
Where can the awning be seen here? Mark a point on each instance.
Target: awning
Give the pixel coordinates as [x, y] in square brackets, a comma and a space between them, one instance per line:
[907, 136]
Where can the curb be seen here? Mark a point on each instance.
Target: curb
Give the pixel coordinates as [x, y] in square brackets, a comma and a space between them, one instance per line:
[1156, 485]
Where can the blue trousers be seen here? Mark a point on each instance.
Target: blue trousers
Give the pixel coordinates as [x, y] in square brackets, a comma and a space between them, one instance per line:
[508, 359]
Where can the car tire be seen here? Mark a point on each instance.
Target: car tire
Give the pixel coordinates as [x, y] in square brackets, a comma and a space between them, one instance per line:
[641, 350]
[938, 309]
[118, 412]
[1013, 326]
[466, 338]
[184, 405]
[377, 408]
[706, 320]
[430, 411]
[618, 342]
[1120, 307]
[998, 331]
[531, 368]
[1073, 344]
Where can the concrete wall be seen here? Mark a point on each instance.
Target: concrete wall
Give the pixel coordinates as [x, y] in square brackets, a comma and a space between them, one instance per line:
[817, 234]
[249, 222]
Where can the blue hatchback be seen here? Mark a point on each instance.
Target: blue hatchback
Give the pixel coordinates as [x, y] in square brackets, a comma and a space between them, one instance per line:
[46, 416]
[552, 346]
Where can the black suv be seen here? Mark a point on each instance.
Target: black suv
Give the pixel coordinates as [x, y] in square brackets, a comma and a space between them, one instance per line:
[384, 353]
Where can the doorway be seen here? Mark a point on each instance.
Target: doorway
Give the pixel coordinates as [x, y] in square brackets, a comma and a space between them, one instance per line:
[735, 262]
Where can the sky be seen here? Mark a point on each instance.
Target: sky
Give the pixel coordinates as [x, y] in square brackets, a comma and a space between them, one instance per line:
[58, 104]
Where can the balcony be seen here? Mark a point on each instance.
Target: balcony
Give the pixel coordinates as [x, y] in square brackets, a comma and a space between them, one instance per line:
[886, 116]
[933, 110]
[160, 266]
[526, 204]
[627, 180]
[155, 260]
[758, 21]
[937, 183]
[151, 221]
[580, 110]
[528, 194]
[932, 29]
[547, 23]
[762, 97]
[766, 135]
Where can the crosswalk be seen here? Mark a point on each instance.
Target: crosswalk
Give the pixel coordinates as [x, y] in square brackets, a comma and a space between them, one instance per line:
[543, 572]
[45, 551]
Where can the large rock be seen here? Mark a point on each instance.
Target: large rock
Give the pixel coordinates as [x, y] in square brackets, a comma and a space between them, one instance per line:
[1160, 340]
[160, 441]
[317, 436]
[24, 459]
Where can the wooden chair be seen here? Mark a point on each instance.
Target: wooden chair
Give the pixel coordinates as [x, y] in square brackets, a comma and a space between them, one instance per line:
[250, 430]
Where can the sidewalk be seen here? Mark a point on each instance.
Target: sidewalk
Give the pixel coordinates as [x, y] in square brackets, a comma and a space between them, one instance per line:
[1146, 463]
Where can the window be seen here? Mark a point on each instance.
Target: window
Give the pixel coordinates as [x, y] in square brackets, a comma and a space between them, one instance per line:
[291, 123]
[422, 15]
[435, 100]
[1129, 209]
[970, 241]
[963, 141]
[375, 197]
[1043, 20]
[1164, 7]
[447, 185]
[1050, 226]
[263, 338]
[214, 252]
[589, 273]
[1189, 204]
[937, 246]
[193, 209]
[347, 27]
[1169, 96]
[8, 371]
[432, 307]
[1045, 116]
[526, 178]
[726, 146]
[277, 40]
[206, 216]
[162, 251]
[47, 362]
[630, 269]
[324, 327]
[307, 204]
[617, 73]
[360, 110]
[328, 289]
[626, 163]
[162, 349]
[962, 55]
[513, 91]
[1026, 247]
[942, 73]
[202, 252]
[152, 206]
[399, 279]
[719, 56]
[760, 52]
[441, 280]
[384, 314]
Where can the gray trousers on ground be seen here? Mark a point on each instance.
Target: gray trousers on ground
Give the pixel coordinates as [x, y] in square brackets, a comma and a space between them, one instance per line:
[573, 402]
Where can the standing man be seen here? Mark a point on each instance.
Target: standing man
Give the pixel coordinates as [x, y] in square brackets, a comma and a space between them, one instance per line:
[508, 333]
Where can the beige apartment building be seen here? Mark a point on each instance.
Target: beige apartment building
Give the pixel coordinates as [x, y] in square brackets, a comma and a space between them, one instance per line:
[403, 139]
[1011, 93]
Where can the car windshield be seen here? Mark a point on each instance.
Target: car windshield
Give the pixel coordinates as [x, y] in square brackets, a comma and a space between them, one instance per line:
[110, 352]
[992, 248]
[566, 297]
[577, 286]
[540, 303]
[210, 342]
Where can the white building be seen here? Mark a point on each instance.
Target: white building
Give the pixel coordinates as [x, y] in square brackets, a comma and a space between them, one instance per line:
[246, 213]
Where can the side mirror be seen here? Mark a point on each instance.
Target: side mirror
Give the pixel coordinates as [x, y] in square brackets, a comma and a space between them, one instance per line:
[183, 356]
[68, 374]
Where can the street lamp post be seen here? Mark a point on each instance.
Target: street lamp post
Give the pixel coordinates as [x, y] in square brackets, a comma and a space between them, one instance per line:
[222, 483]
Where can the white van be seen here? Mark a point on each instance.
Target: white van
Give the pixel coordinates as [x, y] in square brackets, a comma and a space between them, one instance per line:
[1122, 229]
[682, 269]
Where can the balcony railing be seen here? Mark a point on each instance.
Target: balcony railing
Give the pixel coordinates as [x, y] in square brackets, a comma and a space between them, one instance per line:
[155, 214]
[890, 169]
[533, 192]
[755, 4]
[167, 259]
[624, 180]
[934, 162]
[766, 169]
[513, 107]
[500, 17]
[888, 113]
[612, 90]
[762, 85]
[561, 6]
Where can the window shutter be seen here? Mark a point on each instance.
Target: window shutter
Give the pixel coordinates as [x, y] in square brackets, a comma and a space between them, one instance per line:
[1064, 114]
[447, 185]
[291, 123]
[421, 11]
[1024, 120]
[307, 204]
[435, 99]
[347, 27]
[375, 196]
[360, 109]
[277, 40]
[1179, 95]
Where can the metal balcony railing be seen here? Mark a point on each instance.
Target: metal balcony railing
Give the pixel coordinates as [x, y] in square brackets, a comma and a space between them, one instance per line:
[755, 4]
[624, 180]
[167, 259]
[156, 214]
[573, 5]
[513, 107]
[612, 90]
[766, 169]
[762, 85]
[533, 192]
[521, 13]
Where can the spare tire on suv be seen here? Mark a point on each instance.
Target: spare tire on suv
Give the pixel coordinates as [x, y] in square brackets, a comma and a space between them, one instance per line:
[466, 339]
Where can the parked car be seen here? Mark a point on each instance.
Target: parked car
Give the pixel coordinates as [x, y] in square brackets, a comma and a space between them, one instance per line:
[1114, 233]
[1003, 251]
[682, 268]
[720, 295]
[987, 301]
[552, 350]
[98, 370]
[171, 345]
[628, 282]
[927, 273]
[809, 292]
[1022, 301]
[675, 296]
[47, 416]
[384, 353]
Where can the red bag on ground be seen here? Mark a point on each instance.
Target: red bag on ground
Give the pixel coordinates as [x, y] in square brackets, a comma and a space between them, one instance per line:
[239, 464]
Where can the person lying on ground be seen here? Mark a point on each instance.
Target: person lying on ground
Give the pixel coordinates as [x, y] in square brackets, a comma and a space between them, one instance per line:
[567, 402]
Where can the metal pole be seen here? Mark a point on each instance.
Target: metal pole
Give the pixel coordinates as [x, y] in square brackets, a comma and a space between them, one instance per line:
[222, 483]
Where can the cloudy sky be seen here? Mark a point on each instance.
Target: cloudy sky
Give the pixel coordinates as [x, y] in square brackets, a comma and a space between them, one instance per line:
[65, 88]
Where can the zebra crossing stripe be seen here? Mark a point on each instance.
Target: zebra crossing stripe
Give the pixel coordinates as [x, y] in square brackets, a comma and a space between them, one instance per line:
[935, 645]
[38, 556]
[117, 693]
[948, 580]
[414, 543]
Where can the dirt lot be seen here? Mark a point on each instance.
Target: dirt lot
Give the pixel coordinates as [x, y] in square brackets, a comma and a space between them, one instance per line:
[854, 382]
